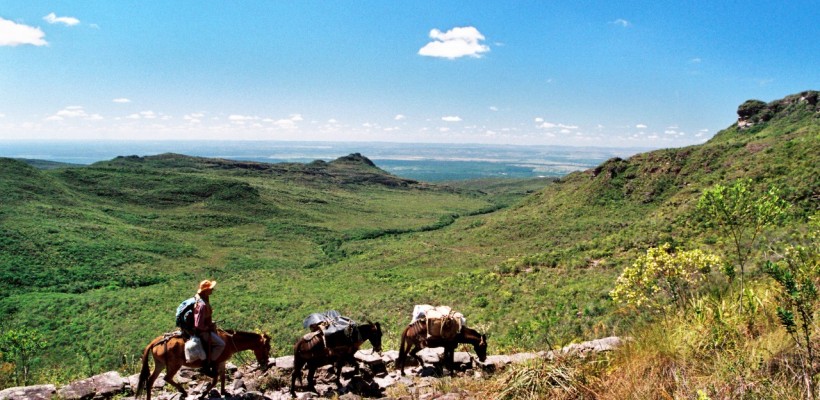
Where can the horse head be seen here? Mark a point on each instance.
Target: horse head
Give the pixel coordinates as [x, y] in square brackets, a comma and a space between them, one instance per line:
[481, 348]
[261, 350]
[374, 334]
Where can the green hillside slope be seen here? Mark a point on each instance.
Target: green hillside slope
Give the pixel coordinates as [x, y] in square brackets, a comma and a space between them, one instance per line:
[106, 252]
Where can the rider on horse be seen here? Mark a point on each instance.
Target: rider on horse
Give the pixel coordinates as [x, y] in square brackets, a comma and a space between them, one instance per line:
[205, 327]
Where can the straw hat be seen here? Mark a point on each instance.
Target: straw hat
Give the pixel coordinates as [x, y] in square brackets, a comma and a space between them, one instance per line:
[206, 285]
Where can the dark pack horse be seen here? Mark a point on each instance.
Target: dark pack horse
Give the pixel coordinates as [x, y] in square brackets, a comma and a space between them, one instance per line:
[168, 352]
[414, 338]
[336, 349]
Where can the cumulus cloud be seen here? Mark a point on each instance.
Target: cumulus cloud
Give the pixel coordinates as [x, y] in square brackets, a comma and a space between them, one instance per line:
[74, 112]
[493, 108]
[121, 100]
[451, 118]
[399, 117]
[455, 43]
[621, 22]
[67, 21]
[546, 125]
[194, 118]
[143, 114]
[241, 118]
[14, 34]
[539, 119]
[288, 123]
[641, 126]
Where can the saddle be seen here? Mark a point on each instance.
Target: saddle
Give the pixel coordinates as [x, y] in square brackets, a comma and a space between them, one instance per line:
[336, 331]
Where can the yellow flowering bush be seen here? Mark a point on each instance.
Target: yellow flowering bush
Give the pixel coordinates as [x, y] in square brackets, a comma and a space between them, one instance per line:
[660, 278]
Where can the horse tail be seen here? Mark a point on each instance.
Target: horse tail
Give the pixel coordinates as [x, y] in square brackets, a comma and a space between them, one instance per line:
[145, 371]
[402, 350]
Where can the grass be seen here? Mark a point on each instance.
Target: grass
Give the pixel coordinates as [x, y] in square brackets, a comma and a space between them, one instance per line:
[104, 253]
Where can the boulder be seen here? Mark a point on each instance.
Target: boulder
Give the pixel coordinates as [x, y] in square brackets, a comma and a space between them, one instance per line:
[98, 386]
[390, 356]
[134, 380]
[594, 346]
[250, 396]
[38, 392]
[284, 363]
[431, 355]
[463, 358]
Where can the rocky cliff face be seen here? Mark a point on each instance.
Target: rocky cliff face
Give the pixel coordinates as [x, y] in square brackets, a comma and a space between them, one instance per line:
[753, 112]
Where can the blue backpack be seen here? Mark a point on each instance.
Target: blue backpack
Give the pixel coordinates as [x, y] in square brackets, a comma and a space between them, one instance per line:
[185, 314]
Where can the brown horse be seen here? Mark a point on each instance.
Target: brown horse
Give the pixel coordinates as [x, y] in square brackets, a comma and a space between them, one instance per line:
[414, 338]
[169, 352]
[334, 349]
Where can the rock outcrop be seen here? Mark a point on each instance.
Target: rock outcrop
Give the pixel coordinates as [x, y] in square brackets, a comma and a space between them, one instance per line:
[754, 112]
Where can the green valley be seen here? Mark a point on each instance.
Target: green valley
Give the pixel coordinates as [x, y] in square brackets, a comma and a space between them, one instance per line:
[97, 257]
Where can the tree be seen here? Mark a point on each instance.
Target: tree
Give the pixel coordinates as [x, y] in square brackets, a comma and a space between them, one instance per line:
[740, 216]
[660, 277]
[20, 346]
[798, 274]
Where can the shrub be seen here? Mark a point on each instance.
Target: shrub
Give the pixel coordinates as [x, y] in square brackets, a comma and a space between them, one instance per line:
[659, 277]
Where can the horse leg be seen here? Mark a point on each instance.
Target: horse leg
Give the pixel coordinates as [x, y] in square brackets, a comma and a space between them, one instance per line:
[449, 357]
[169, 378]
[221, 375]
[414, 352]
[298, 363]
[311, 377]
[158, 367]
[338, 366]
[211, 384]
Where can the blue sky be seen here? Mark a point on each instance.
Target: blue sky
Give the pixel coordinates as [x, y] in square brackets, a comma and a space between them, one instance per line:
[624, 74]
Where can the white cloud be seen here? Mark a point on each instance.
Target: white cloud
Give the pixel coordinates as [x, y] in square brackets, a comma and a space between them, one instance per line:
[193, 118]
[539, 119]
[443, 129]
[451, 118]
[143, 114]
[455, 43]
[67, 21]
[641, 126]
[2, 115]
[399, 117]
[290, 122]
[547, 125]
[14, 34]
[621, 22]
[241, 118]
[493, 108]
[568, 126]
[121, 100]
[332, 121]
[695, 60]
[72, 112]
